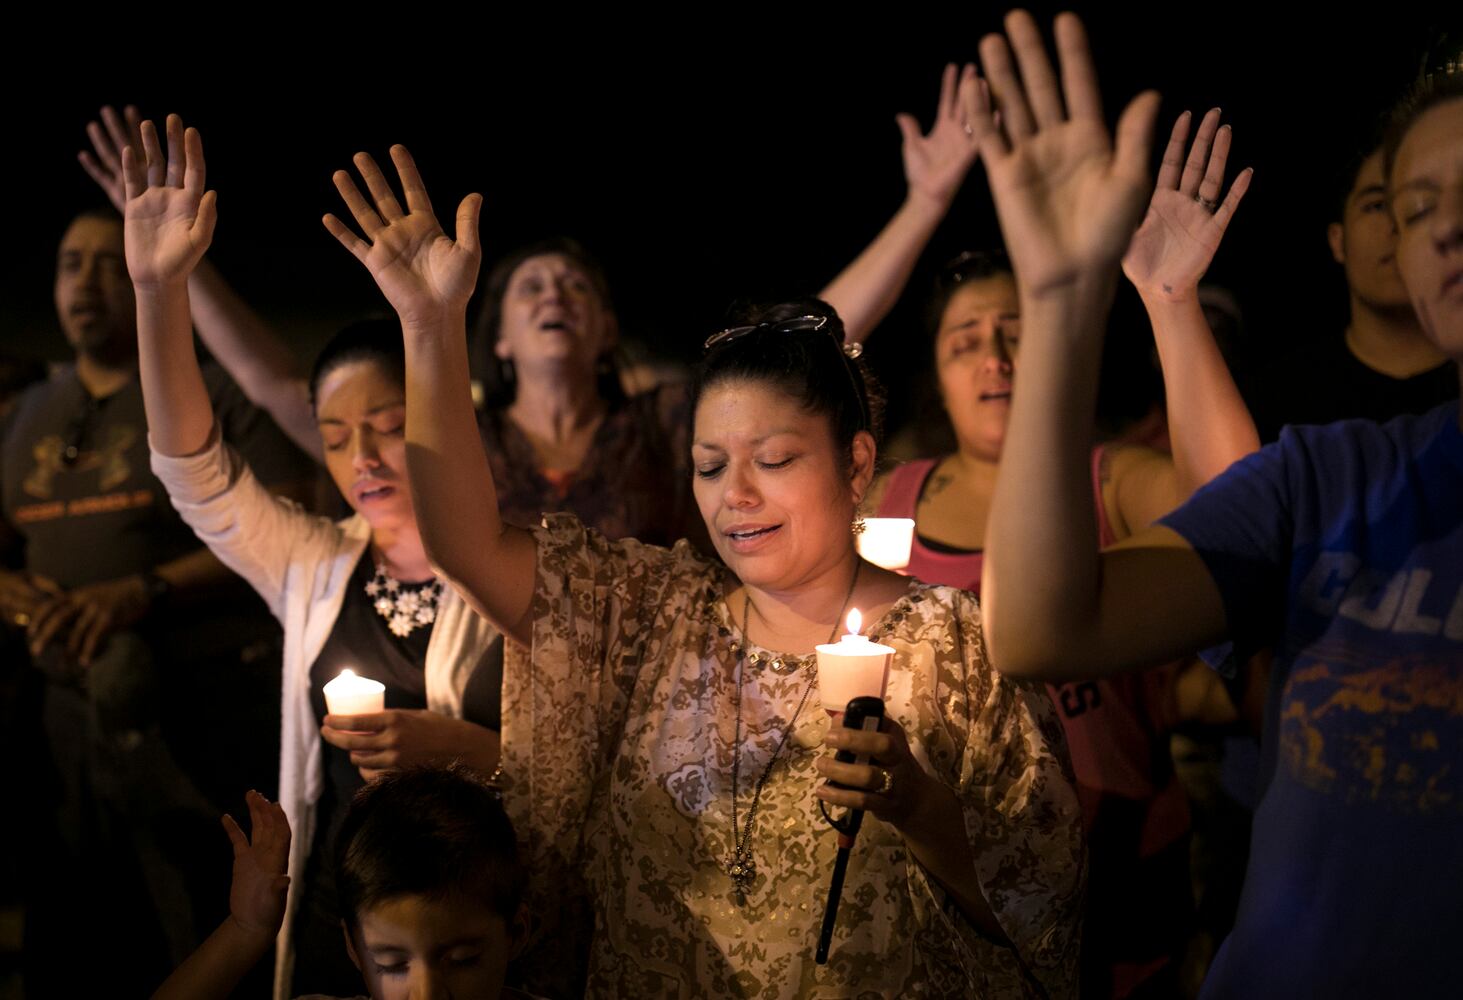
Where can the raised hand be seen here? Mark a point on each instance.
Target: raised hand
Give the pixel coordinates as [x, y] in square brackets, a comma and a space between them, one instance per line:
[424, 274]
[169, 216]
[935, 164]
[1068, 196]
[259, 887]
[1186, 220]
[109, 137]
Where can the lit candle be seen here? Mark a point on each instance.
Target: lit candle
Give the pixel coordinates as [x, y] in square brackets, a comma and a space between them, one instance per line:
[885, 541]
[349, 694]
[852, 667]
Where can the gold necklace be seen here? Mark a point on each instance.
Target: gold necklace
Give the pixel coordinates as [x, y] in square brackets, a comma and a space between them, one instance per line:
[741, 866]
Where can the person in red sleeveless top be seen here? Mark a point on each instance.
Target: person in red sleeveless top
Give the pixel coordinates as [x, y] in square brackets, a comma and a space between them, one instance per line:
[1139, 899]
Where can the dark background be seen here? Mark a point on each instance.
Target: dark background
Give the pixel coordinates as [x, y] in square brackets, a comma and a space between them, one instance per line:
[729, 155]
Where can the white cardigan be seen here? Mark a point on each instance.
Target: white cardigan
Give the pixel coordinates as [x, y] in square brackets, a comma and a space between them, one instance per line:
[300, 564]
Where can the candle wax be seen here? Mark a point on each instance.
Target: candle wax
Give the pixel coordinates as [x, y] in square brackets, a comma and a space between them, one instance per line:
[853, 667]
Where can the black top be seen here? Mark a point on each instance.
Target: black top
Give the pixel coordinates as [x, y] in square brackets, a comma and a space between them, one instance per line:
[1326, 384]
[362, 641]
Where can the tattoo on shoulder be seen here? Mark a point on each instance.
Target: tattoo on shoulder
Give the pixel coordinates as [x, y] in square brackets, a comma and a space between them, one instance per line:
[937, 483]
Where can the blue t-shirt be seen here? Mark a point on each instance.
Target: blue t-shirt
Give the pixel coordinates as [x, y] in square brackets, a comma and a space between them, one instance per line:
[1342, 548]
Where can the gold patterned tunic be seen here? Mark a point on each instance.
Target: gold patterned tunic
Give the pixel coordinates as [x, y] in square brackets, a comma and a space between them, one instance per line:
[618, 745]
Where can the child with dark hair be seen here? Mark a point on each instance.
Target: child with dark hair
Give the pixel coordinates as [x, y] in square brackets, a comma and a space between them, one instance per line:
[429, 885]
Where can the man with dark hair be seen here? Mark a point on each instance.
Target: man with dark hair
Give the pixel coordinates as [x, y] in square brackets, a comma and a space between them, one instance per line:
[160, 687]
[1384, 367]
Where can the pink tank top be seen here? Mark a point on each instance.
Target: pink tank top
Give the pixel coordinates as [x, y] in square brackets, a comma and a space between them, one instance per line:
[958, 569]
[901, 499]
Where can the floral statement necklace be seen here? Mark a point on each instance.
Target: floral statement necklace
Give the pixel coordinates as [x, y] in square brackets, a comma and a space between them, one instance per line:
[405, 606]
[741, 866]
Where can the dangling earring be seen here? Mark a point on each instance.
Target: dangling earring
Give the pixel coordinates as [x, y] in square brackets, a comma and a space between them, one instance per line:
[858, 523]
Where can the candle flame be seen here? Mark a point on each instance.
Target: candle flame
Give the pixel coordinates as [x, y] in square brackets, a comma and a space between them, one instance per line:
[347, 672]
[855, 621]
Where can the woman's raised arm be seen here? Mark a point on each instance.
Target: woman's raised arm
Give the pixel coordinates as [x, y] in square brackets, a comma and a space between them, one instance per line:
[935, 165]
[1069, 196]
[1209, 425]
[168, 225]
[238, 338]
[428, 278]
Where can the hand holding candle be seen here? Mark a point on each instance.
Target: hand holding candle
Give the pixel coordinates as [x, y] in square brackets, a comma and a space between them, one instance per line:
[350, 694]
[853, 667]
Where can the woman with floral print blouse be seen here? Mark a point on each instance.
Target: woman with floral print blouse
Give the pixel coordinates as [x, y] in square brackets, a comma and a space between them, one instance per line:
[663, 738]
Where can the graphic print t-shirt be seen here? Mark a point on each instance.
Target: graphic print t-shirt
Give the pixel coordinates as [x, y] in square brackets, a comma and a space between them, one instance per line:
[97, 512]
[1342, 547]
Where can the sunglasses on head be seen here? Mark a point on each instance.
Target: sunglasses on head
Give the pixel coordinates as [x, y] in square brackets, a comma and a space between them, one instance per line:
[805, 324]
[797, 324]
[972, 265]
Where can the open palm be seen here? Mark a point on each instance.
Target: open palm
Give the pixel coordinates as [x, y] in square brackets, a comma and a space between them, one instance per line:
[1068, 196]
[103, 163]
[259, 887]
[423, 272]
[936, 162]
[1185, 222]
[169, 218]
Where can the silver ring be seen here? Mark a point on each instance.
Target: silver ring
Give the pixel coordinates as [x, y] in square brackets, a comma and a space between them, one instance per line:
[1209, 206]
[886, 785]
[969, 130]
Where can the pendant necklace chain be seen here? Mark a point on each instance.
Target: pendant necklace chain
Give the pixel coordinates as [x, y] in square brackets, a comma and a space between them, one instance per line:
[741, 867]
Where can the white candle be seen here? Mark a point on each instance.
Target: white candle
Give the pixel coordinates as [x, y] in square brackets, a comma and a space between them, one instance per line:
[349, 694]
[885, 541]
[852, 667]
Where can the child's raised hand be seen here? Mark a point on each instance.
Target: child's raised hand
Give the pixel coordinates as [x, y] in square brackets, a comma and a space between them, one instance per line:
[260, 885]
